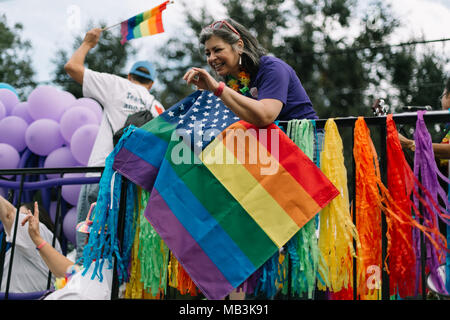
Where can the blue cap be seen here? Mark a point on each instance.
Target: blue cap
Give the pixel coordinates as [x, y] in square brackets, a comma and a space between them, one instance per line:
[146, 65]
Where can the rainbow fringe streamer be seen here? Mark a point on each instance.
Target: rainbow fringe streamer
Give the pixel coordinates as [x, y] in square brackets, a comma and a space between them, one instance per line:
[303, 248]
[103, 241]
[180, 279]
[153, 254]
[402, 256]
[135, 288]
[368, 212]
[337, 230]
[372, 198]
[425, 167]
[147, 265]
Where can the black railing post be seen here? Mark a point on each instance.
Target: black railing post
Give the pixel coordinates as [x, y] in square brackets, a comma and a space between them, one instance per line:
[289, 276]
[57, 229]
[353, 210]
[423, 252]
[385, 290]
[2, 255]
[120, 233]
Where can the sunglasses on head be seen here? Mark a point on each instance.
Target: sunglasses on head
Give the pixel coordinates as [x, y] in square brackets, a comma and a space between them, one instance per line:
[220, 24]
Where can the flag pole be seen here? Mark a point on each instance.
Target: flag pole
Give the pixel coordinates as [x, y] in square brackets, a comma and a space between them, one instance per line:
[118, 24]
[110, 27]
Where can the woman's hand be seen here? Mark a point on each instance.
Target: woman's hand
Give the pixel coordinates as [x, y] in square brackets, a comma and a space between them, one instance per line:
[33, 225]
[201, 78]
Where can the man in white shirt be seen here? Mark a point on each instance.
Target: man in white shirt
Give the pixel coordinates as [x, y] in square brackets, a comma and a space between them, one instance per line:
[119, 97]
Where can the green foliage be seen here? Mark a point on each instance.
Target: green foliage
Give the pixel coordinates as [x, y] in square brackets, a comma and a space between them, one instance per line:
[108, 56]
[340, 54]
[420, 81]
[15, 58]
[180, 54]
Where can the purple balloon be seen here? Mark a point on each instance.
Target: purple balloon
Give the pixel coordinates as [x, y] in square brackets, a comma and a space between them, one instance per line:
[67, 99]
[60, 158]
[52, 210]
[43, 136]
[70, 192]
[91, 104]
[70, 224]
[21, 110]
[46, 102]
[12, 131]
[2, 110]
[9, 157]
[82, 142]
[9, 99]
[75, 118]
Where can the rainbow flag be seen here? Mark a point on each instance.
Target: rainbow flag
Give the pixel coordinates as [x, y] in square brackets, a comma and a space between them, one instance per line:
[144, 24]
[225, 195]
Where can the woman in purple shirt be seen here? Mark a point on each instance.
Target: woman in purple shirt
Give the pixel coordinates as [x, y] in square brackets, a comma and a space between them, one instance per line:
[256, 87]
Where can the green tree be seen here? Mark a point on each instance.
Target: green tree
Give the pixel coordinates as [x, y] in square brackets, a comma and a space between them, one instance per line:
[108, 56]
[179, 54]
[334, 74]
[418, 79]
[15, 58]
[340, 53]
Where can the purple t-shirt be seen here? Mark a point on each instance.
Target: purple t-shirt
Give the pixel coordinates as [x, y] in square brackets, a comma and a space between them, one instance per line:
[277, 80]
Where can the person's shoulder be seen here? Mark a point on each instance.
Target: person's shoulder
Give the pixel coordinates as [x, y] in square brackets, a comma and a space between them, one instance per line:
[271, 61]
[273, 64]
[103, 76]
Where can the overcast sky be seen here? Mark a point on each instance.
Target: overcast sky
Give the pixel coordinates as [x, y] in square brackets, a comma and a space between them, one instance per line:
[53, 24]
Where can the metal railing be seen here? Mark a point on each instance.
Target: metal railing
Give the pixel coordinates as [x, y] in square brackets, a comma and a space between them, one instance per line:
[22, 186]
[379, 122]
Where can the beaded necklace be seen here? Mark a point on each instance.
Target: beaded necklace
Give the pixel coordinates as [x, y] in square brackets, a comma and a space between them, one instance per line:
[241, 84]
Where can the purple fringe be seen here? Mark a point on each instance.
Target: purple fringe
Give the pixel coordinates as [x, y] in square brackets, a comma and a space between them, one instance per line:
[425, 167]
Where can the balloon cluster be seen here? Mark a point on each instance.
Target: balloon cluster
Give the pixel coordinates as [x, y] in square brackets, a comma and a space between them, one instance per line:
[51, 124]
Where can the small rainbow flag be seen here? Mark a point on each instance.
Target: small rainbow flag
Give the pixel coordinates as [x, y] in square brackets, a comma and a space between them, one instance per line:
[144, 24]
[220, 211]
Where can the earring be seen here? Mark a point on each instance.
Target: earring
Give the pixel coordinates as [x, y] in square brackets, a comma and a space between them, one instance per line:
[240, 60]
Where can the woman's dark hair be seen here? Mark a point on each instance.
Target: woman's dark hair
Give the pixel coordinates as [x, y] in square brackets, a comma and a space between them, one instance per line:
[447, 86]
[44, 218]
[252, 51]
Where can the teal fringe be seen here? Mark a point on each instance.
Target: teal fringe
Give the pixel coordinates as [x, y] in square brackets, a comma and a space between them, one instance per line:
[131, 217]
[103, 241]
[266, 285]
[302, 249]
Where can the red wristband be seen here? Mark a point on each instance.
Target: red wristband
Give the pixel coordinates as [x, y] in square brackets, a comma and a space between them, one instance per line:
[219, 89]
[41, 245]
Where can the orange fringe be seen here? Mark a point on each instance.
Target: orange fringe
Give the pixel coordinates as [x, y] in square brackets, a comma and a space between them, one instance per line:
[180, 279]
[372, 198]
[368, 212]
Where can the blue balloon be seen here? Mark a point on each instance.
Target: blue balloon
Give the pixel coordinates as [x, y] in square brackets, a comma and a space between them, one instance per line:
[9, 87]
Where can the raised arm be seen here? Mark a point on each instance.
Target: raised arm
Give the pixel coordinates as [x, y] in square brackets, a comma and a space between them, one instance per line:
[56, 262]
[75, 66]
[7, 214]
